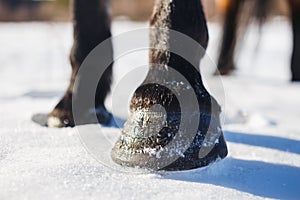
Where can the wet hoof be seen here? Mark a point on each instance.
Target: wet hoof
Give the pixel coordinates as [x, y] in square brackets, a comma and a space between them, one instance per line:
[159, 136]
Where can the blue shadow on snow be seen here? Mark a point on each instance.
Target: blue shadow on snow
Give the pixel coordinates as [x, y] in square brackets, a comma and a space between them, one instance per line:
[272, 142]
[254, 177]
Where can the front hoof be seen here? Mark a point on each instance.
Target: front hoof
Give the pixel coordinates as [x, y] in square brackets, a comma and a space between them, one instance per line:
[155, 138]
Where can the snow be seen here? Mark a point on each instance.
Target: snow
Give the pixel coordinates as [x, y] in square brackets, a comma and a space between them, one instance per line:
[261, 116]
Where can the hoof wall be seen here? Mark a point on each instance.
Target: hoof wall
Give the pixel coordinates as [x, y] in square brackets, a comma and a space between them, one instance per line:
[156, 152]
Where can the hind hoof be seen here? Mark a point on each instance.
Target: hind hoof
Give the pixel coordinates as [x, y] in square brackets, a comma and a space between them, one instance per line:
[64, 118]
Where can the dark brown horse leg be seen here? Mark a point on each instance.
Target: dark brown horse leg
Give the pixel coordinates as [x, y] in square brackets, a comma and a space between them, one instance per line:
[159, 133]
[91, 27]
[226, 56]
[295, 14]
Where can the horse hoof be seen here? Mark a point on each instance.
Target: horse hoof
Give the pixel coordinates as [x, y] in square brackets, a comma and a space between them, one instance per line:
[60, 118]
[159, 136]
[55, 122]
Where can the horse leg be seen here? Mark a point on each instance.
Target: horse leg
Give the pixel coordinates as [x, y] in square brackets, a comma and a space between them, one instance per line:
[226, 55]
[91, 27]
[295, 14]
[153, 136]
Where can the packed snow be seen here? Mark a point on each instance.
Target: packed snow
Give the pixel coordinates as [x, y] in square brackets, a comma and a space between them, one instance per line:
[260, 120]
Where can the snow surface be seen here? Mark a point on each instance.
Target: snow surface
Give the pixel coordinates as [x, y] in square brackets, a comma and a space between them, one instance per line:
[261, 110]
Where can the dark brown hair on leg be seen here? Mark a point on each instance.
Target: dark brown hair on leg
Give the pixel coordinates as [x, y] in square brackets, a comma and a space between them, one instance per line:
[149, 130]
[229, 37]
[295, 15]
[91, 27]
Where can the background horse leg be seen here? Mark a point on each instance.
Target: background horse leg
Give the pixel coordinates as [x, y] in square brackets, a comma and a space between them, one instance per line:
[295, 14]
[91, 27]
[226, 56]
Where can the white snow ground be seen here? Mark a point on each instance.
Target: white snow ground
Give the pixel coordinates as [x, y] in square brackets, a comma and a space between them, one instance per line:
[261, 125]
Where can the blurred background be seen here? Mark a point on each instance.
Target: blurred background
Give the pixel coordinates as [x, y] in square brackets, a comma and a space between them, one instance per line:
[59, 10]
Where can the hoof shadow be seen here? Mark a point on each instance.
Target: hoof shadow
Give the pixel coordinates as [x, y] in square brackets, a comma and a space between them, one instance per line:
[254, 177]
[272, 142]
